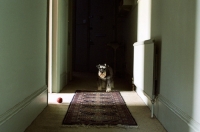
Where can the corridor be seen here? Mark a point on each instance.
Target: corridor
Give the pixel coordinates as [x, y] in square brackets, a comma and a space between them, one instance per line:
[50, 120]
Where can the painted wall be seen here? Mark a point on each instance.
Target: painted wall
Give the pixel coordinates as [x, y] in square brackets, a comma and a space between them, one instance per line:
[178, 85]
[60, 45]
[63, 41]
[175, 27]
[196, 106]
[144, 20]
[22, 61]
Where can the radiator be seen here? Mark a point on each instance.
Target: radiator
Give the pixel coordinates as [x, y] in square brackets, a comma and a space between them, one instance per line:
[144, 70]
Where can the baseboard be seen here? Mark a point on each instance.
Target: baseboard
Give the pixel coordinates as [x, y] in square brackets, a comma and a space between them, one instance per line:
[18, 118]
[144, 97]
[173, 118]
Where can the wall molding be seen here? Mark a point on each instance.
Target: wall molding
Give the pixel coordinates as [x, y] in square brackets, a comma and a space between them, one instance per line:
[21, 105]
[182, 115]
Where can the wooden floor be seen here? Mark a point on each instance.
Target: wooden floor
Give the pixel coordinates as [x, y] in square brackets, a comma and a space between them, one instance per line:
[50, 120]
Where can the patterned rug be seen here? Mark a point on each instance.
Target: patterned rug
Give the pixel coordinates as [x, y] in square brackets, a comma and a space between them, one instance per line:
[100, 109]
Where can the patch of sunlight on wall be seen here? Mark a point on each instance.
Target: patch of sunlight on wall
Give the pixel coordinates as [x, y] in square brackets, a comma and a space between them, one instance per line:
[196, 97]
[144, 20]
[143, 33]
[50, 49]
[139, 66]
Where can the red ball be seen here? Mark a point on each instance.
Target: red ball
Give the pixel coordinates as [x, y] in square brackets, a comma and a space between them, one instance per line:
[59, 100]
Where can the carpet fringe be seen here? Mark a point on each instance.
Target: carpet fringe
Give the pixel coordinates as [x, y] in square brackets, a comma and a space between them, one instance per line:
[101, 126]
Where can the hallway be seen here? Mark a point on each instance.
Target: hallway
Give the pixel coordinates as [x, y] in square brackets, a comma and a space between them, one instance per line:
[50, 120]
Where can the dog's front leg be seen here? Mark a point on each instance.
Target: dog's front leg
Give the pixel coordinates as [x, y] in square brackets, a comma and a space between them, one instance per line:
[99, 84]
[108, 86]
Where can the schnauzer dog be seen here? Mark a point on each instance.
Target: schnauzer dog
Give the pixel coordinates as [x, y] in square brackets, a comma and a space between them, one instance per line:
[105, 75]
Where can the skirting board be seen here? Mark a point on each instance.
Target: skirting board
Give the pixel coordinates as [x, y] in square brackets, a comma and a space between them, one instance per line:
[173, 118]
[144, 97]
[18, 118]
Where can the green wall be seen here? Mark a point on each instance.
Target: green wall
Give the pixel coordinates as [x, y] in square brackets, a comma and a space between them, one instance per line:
[178, 62]
[22, 50]
[63, 40]
[60, 45]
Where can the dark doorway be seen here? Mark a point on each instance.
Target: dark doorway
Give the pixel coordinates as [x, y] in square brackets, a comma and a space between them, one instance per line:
[95, 28]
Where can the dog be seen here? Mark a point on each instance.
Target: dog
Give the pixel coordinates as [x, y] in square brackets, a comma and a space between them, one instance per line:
[105, 77]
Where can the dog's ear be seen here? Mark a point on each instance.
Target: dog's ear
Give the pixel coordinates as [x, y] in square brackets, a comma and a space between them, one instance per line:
[98, 66]
[106, 65]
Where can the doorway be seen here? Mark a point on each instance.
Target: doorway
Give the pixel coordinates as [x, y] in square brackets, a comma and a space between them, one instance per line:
[95, 28]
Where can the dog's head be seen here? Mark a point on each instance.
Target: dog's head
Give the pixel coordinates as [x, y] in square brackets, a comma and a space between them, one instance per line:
[102, 70]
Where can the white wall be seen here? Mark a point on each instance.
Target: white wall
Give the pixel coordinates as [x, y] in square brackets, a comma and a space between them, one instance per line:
[177, 85]
[141, 79]
[22, 61]
[175, 27]
[144, 20]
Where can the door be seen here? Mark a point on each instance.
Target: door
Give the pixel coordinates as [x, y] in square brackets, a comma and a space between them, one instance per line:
[80, 49]
[95, 28]
[102, 31]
